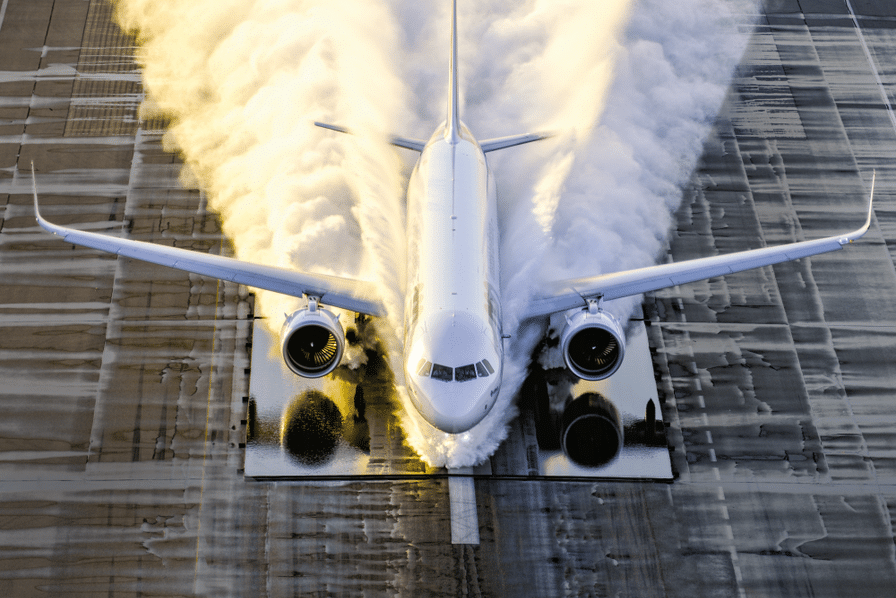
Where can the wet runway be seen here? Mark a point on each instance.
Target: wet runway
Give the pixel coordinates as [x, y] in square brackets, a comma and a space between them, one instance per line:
[366, 440]
[125, 386]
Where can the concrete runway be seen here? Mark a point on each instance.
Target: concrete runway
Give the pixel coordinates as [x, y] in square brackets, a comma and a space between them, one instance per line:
[125, 386]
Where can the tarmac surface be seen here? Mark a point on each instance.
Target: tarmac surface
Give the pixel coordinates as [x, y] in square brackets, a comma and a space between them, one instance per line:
[125, 386]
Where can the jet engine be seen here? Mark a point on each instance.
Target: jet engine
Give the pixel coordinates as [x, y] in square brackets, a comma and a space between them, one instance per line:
[591, 430]
[593, 344]
[312, 341]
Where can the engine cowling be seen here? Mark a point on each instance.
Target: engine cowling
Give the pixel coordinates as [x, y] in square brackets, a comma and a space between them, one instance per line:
[593, 344]
[591, 430]
[312, 341]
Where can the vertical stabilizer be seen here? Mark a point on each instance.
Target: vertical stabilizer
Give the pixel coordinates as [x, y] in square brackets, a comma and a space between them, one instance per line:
[453, 133]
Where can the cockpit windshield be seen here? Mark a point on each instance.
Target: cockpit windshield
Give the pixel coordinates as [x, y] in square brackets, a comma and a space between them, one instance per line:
[442, 372]
[464, 373]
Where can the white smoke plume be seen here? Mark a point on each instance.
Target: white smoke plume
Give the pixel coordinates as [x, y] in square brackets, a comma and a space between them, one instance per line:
[243, 82]
[629, 87]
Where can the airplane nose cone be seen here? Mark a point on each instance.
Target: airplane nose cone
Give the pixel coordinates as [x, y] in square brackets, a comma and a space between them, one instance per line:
[451, 386]
[456, 423]
[451, 412]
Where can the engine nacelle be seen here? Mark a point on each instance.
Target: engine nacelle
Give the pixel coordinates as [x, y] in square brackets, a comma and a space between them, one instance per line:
[593, 344]
[591, 430]
[312, 341]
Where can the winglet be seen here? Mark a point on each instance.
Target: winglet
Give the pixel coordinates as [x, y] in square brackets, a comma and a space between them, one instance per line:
[858, 234]
[47, 226]
[37, 215]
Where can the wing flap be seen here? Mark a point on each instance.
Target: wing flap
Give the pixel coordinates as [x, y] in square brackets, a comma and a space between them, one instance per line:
[353, 295]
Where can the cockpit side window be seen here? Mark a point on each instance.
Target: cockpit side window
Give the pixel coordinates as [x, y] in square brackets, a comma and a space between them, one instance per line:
[488, 366]
[424, 367]
[481, 371]
[442, 372]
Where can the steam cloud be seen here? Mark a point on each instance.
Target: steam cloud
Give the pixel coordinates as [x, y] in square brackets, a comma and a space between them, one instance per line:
[631, 88]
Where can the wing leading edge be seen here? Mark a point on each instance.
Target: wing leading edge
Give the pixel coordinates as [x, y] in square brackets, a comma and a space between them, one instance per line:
[353, 295]
[572, 293]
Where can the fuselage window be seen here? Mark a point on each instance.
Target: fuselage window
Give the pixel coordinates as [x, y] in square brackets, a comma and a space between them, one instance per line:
[442, 372]
[424, 367]
[488, 366]
[465, 372]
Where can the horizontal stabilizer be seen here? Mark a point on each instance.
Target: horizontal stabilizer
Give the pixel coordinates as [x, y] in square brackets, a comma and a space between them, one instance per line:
[412, 144]
[490, 145]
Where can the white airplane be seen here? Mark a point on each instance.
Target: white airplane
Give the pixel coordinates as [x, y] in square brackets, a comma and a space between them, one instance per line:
[453, 341]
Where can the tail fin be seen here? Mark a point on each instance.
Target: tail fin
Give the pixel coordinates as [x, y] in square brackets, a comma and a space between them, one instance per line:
[453, 133]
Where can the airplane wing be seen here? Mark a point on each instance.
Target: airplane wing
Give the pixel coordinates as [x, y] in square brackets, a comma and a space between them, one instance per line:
[353, 295]
[569, 294]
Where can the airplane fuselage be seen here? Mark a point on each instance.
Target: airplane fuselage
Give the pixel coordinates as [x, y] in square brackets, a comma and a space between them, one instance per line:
[453, 345]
